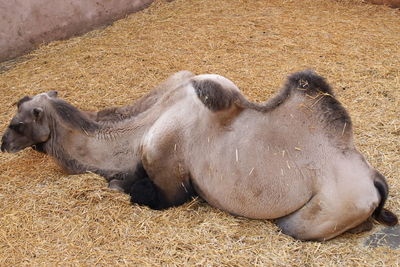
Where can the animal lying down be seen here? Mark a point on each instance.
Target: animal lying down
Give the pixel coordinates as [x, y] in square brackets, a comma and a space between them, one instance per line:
[291, 158]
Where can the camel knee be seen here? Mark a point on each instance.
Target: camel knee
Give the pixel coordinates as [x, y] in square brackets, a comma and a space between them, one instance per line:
[317, 230]
[322, 219]
[309, 231]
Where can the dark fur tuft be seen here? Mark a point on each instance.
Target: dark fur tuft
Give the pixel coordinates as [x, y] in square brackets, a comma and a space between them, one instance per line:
[129, 178]
[304, 82]
[387, 217]
[142, 190]
[317, 93]
[308, 81]
[213, 95]
[380, 214]
[145, 192]
[331, 111]
[73, 116]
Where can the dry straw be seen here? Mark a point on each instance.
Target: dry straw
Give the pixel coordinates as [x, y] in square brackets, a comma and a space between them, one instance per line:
[50, 218]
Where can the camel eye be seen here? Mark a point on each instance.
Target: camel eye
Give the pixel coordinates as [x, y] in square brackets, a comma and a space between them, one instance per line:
[18, 127]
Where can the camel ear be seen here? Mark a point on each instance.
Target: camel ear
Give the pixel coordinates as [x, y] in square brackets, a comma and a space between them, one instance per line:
[37, 113]
[22, 100]
[52, 93]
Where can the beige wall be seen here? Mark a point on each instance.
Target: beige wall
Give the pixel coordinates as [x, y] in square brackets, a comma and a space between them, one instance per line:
[26, 23]
[391, 3]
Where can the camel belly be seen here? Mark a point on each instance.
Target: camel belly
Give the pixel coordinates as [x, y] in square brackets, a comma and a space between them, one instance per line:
[255, 196]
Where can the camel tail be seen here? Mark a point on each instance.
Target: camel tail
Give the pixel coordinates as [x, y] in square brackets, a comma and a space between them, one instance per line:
[381, 214]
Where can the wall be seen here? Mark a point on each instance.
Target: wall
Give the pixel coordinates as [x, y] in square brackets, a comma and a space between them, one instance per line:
[391, 3]
[24, 24]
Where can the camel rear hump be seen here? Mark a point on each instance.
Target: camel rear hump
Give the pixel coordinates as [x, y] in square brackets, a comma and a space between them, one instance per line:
[321, 101]
[220, 94]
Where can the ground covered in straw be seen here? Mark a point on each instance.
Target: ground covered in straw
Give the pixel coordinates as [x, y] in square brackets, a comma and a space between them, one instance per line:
[50, 218]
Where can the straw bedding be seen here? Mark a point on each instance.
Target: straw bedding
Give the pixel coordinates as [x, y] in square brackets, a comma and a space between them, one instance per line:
[50, 218]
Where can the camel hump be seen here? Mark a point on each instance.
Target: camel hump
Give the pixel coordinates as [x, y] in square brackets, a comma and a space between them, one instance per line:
[216, 92]
[319, 97]
[307, 81]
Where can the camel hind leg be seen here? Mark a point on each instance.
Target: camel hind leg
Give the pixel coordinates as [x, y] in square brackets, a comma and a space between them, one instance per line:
[328, 214]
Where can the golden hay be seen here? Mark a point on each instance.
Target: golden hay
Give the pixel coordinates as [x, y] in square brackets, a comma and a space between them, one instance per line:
[49, 218]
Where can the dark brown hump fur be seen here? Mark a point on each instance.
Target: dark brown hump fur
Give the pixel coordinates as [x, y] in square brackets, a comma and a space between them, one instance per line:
[213, 95]
[317, 94]
[321, 100]
[307, 82]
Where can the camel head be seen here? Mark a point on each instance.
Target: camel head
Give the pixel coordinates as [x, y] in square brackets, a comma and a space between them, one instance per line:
[30, 126]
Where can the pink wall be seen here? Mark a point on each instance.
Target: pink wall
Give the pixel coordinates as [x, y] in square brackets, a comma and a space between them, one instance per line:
[391, 3]
[26, 23]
